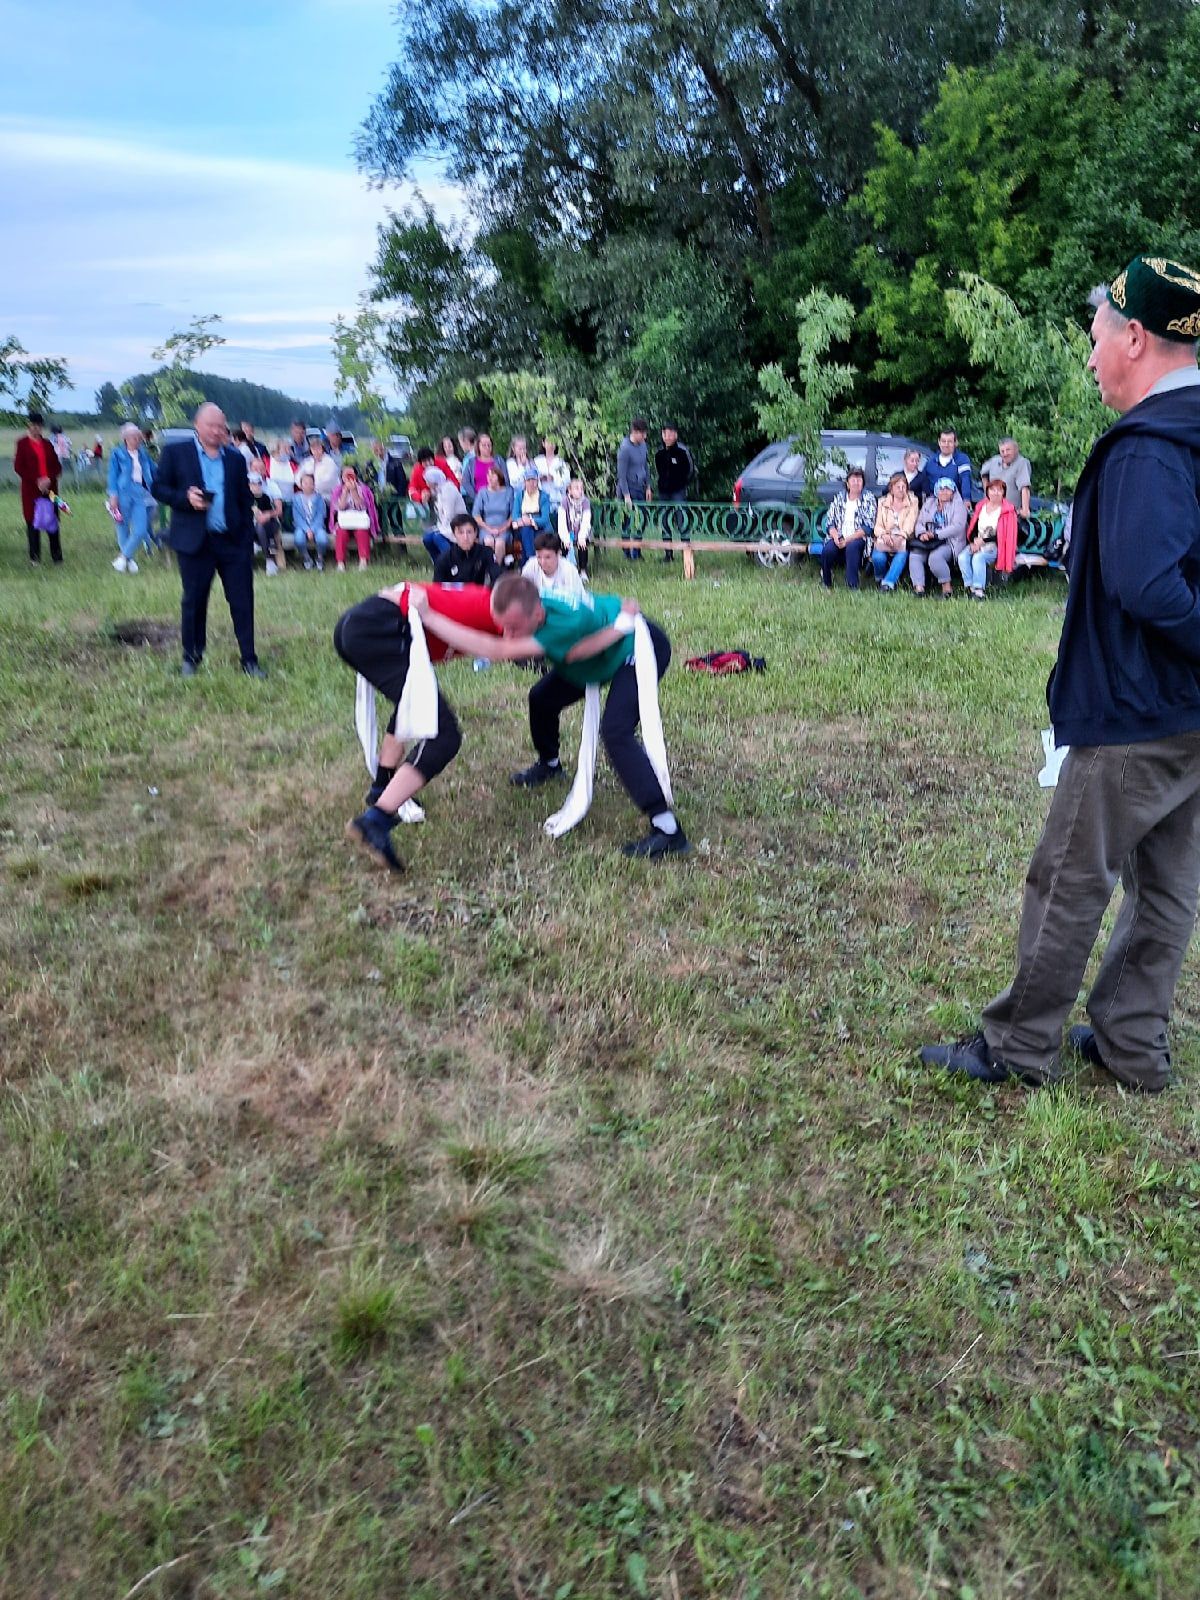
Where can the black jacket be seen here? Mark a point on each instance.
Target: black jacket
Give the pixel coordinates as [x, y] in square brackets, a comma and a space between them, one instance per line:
[1129, 657]
[478, 565]
[675, 468]
[178, 471]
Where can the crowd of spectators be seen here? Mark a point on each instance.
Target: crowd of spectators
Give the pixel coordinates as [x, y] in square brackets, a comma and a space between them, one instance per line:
[931, 520]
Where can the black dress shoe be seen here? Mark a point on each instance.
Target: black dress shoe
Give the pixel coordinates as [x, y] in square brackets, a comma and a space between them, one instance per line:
[540, 772]
[253, 670]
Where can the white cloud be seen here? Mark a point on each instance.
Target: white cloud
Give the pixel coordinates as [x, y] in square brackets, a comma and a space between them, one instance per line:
[140, 236]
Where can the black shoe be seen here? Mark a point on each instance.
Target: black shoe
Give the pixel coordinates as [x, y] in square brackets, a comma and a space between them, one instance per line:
[253, 670]
[540, 772]
[657, 843]
[1082, 1039]
[188, 668]
[971, 1058]
[372, 833]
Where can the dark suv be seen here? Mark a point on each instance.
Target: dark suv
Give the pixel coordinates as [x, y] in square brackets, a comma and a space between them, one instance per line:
[776, 475]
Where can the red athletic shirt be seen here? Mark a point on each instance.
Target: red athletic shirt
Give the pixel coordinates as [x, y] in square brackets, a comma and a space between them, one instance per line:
[468, 603]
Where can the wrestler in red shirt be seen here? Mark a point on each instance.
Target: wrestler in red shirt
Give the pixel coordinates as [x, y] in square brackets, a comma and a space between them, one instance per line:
[36, 464]
[375, 638]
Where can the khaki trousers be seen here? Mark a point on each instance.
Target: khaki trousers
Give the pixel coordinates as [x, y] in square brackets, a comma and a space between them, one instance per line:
[1120, 811]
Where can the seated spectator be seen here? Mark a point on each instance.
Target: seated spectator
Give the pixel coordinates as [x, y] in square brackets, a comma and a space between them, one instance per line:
[281, 472]
[849, 524]
[449, 460]
[466, 560]
[484, 460]
[308, 523]
[267, 512]
[575, 524]
[443, 504]
[553, 473]
[334, 434]
[418, 491]
[991, 539]
[466, 449]
[953, 463]
[352, 511]
[917, 477]
[493, 510]
[530, 511]
[1011, 467]
[940, 537]
[298, 446]
[895, 523]
[323, 468]
[551, 571]
[518, 462]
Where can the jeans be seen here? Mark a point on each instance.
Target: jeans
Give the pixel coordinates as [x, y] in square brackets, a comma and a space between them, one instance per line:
[675, 520]
[133, 530]
[526, 536]
[319, 537]
[974, 565]
[849, 556]
[889, 569]
[436, 544]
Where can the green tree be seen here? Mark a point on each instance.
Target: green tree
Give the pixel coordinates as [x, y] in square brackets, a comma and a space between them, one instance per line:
[1055, 406]
[786, 411]
[108, 403]
[358, 354]
[27, 381]
[537, 403]
[173, 390]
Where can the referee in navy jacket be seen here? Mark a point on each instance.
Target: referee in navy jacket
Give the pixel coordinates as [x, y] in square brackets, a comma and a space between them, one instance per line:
[204, 481]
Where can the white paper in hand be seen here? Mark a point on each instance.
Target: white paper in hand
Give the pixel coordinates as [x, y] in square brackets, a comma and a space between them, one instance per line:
[1055, 756]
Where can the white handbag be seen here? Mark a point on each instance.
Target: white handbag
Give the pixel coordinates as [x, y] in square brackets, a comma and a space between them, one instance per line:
[353, 520]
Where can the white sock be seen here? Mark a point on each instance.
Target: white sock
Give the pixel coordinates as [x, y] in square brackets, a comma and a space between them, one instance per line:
[665, 822]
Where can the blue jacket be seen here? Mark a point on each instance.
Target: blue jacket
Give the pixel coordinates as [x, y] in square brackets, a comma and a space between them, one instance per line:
[959, 473]
[1129, 658]
[179, 471]
[303, 525]
[543, 516]
[120, 472]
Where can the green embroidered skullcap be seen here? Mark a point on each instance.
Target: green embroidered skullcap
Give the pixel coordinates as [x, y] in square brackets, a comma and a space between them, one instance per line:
[1163, 295]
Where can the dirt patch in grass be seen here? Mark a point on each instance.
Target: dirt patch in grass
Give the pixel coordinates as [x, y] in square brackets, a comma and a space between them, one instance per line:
[142, 633]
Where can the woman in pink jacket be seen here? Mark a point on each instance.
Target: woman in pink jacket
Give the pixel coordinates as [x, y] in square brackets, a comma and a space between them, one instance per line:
[991, 539]
[352, 511]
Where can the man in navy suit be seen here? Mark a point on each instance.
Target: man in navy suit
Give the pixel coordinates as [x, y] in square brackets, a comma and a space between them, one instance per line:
[204, 482]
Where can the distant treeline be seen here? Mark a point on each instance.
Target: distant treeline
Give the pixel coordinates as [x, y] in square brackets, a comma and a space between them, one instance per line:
[240, 400]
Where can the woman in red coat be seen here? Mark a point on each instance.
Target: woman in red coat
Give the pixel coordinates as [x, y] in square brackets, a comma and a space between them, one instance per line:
[36, 465]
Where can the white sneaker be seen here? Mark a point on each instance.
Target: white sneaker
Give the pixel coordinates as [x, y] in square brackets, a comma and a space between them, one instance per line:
[120, 564]
[410, 811]
[131, 565]
[272, 569]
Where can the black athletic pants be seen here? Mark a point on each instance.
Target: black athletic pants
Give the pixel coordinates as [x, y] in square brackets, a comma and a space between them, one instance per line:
[35, 543]
[551, 696]
[373, 637]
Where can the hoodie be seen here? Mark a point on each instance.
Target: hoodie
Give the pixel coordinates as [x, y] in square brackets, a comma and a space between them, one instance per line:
[1128, 664]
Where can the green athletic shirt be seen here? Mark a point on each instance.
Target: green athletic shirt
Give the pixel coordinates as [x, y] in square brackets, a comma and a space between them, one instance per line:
[569, 621]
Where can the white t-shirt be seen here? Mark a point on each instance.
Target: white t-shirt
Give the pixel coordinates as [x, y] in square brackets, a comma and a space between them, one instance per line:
[283, 482]
[989, 520]
[326, 472]
[848, 517]
[566, 584]
[516, 472]
[554, 475]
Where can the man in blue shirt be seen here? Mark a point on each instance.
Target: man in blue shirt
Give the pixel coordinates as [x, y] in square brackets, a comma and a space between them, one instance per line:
[951, 462]
[204, 482]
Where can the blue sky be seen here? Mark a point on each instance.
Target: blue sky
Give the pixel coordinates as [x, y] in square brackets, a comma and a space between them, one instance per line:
[166, 160]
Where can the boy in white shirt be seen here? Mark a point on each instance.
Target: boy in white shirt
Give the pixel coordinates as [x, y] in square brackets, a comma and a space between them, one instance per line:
[551, 572]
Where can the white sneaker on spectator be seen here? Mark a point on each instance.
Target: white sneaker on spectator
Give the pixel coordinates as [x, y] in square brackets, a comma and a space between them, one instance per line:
[341, 566]
[131, 565]
[272, 568]
[120, 564]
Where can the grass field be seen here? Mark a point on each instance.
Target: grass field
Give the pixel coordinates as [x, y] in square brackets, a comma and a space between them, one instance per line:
[544, 1224]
